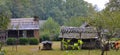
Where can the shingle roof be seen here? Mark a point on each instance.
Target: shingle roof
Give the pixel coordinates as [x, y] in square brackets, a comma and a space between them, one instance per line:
[23, 24]
[77, 29]
[74, 32]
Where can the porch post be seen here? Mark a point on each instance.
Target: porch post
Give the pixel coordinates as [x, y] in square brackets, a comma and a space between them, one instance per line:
[6, 34]
[25, 33]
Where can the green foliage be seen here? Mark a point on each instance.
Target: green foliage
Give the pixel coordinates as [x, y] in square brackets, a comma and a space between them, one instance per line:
[33, 41]
[4, 16]
[77, 8]
[19, 8]
[60, 10]
[75, 21]
[114, 39]
[23, 41]
[1, 44]
[56, 37]
[2, 52]
[11, 41]
[113, 5]
[4, 20]
[65, 44]
[50, 29]
[112, 16]
[75, 45]
[107, 20]
[44, 36]
[51, 25]
[80, 42]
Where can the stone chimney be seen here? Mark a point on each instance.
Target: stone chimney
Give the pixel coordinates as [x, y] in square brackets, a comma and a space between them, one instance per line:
[36, 18]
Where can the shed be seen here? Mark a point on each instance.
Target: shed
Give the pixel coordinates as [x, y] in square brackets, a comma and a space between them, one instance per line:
[47, 45]
[88, 35]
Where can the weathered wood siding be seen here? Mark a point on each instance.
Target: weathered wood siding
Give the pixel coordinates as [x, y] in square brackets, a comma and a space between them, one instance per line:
[36, 34]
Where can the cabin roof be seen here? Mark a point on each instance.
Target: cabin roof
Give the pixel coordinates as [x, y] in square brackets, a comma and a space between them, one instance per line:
[45, 42]
[77, 29]
[78, 32]
[23, 24]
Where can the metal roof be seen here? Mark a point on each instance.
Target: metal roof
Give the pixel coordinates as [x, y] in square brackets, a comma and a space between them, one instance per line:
[23, 24]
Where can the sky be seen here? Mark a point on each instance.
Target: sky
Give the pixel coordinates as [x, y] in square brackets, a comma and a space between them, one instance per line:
[100, 3]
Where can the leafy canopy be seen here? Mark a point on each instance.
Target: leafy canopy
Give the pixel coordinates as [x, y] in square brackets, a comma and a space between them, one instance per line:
[75, 21]
[50, 29]
[107, 20]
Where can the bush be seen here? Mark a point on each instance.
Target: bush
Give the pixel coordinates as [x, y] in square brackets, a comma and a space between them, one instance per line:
[33, 41]
[11, 41]
[23, 41]
[44, 37]
[56, 38]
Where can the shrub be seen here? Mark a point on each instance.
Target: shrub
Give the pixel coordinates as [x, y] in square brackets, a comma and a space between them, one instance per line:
[11, 41]
[44, 37]
[56, 38]
[33, 41]
[23, 41]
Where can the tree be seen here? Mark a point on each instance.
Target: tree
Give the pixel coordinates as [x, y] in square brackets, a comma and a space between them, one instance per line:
[19, 8]
[4, 21]
[4, 17]
[75, 21]
[60, 10]
[110, 18]
[51, 28]
[77, 8]
[113, 8]
[113, 5]
[106, 21]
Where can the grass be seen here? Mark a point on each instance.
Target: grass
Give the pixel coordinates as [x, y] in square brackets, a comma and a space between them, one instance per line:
[33, 50]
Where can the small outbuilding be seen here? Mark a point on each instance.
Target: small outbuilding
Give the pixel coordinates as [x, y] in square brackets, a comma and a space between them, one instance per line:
[88, 35]
[47, 45]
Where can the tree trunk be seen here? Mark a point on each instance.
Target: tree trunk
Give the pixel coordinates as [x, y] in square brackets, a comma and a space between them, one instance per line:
[102, 52]
[1, 44]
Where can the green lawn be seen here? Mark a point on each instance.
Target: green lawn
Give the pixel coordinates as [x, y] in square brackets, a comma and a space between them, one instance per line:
[33, 50]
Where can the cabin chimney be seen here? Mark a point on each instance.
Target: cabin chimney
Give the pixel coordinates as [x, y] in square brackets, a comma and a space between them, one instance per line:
[36, 18]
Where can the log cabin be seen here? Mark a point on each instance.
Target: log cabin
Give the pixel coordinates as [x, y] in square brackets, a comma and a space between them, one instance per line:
[23, 27]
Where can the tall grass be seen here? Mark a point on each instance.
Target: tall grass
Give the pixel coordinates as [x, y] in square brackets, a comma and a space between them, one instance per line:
[33, 50]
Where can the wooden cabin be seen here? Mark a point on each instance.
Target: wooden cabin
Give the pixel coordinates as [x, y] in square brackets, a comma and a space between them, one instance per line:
[88, 35]
[23, 27]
